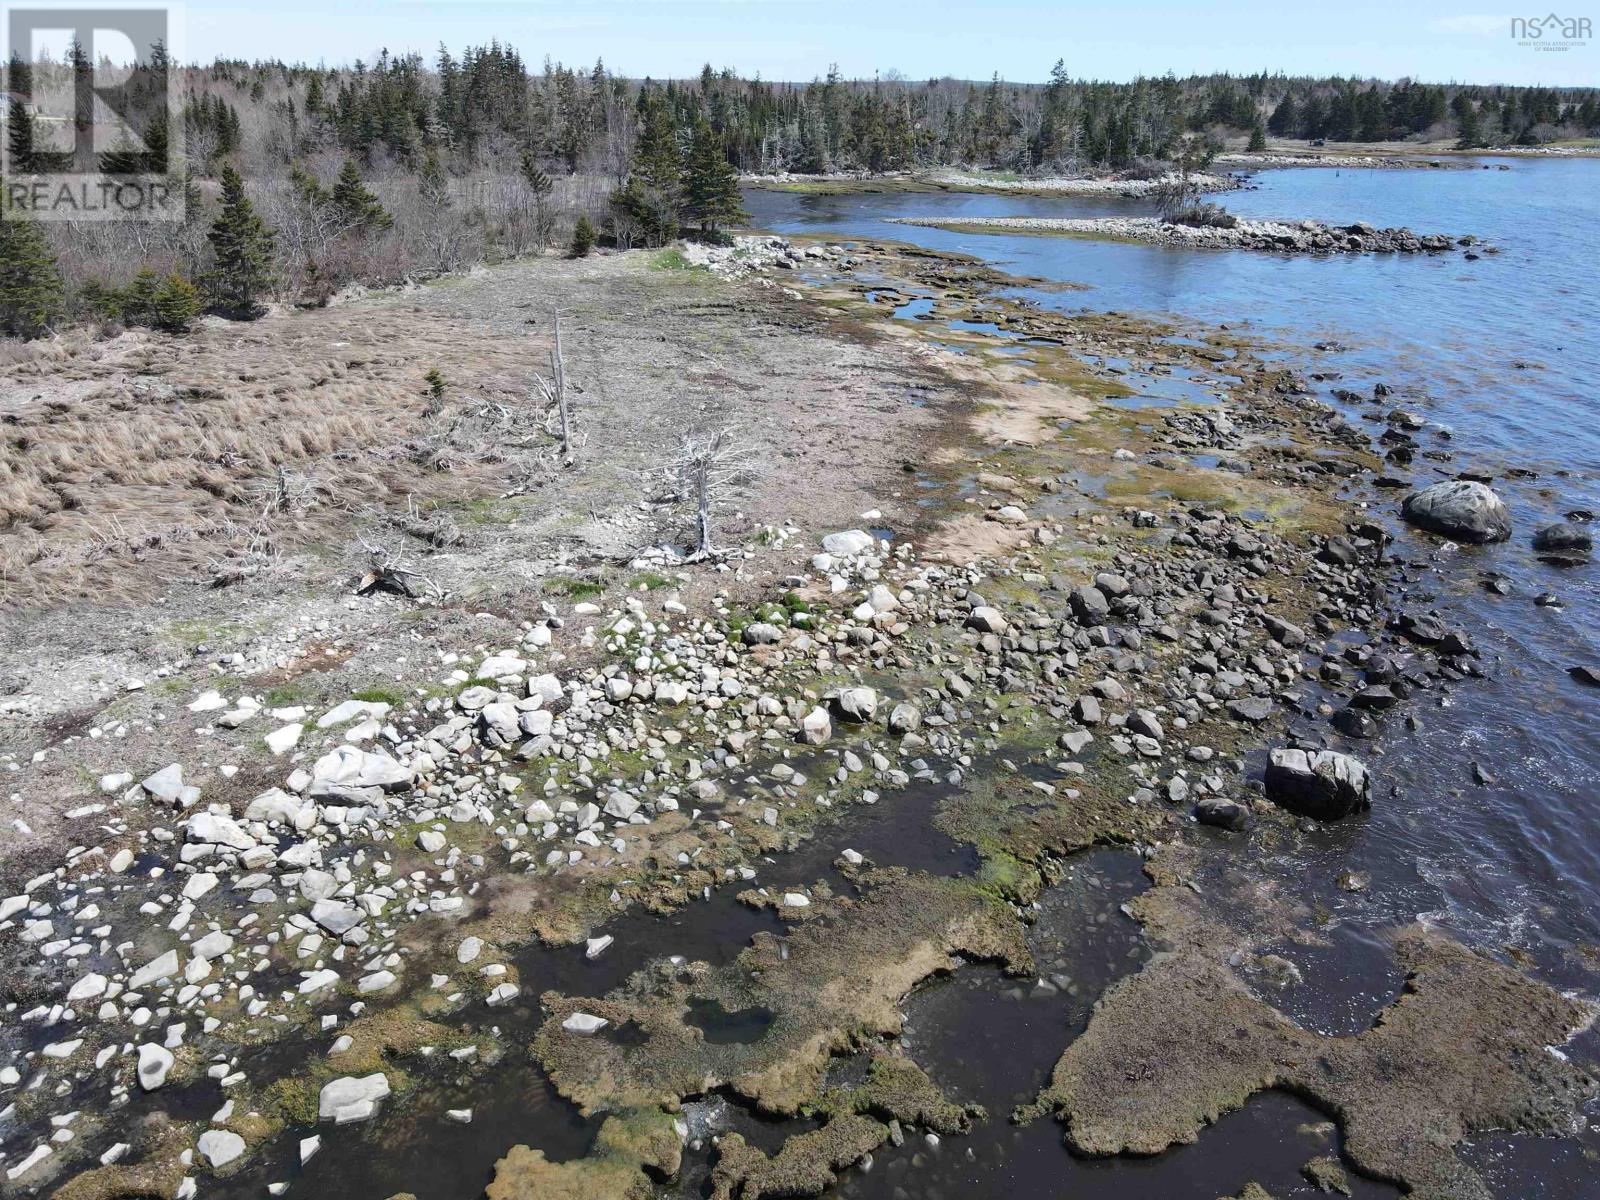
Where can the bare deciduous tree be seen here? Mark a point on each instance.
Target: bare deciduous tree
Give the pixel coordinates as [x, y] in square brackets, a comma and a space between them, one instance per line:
[713, 471]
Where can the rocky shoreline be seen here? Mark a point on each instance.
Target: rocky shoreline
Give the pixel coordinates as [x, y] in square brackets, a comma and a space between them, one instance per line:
[1279, 237]
[1065, 666]
[949, 180]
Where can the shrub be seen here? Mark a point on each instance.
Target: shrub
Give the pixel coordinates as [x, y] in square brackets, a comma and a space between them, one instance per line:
[175, 304]
[582, 236]
[1202, 216]
[435, 385]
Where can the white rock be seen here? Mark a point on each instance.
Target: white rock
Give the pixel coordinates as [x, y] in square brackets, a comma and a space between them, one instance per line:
[503, 994]
[220, 1146]
[164, 966]
[847, 543]
[281, 741]
[87, 988]
[584, 1023]
[155, 1063]
[351, 1098]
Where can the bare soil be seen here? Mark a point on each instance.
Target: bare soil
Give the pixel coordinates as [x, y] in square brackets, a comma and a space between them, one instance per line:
[137, 472]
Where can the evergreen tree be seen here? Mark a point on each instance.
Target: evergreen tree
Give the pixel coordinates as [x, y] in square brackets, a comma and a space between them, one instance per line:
[1258, 137]
[242, 246]
[583, 236]
[1285, 119]
[357, 207]
[710, 184]
[19, 138]
[174, 304]
[1468, 135]
[432, 184]
[652, 194]
[30, 282]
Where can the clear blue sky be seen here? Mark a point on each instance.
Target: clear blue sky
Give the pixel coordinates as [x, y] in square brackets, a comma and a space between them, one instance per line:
[797, 39]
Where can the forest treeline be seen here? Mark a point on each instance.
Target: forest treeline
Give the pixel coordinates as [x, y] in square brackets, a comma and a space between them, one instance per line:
[478, 156]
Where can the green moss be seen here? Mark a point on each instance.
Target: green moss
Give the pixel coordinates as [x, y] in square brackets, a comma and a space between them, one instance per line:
[571, 587]
[670, 259]
[293, 694]
[392, 696]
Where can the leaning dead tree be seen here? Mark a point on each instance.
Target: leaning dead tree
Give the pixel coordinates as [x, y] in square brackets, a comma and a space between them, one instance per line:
[712, 470]
[559, 421]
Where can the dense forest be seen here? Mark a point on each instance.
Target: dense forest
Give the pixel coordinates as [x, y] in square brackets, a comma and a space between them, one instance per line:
[477, 156]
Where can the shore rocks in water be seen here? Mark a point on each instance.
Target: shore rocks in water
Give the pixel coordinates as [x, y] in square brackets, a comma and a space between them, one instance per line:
[1461, 509]
[1319, 783]
[1283, 237]
[1222, 813]
[1562, 538]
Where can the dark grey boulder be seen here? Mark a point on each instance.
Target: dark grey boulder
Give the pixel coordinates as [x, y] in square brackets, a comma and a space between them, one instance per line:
[1318, 783]
[1562, 536]
[1222, 813]
[1462, 509]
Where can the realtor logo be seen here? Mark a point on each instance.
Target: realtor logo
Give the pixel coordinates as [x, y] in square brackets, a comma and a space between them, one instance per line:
[93, 128]
[1552, 32]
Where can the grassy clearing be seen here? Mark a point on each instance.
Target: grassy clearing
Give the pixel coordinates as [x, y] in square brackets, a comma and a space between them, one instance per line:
[670, 259]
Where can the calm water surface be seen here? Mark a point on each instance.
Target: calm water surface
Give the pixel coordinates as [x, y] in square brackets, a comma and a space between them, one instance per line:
[1504, 352]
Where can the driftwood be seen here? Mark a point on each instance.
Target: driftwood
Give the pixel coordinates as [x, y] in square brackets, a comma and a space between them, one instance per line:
[387, 572]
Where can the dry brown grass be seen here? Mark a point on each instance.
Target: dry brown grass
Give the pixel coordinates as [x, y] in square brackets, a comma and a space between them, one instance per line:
[134, 460]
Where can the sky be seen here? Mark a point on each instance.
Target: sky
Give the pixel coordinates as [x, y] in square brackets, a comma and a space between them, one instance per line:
[798, 39]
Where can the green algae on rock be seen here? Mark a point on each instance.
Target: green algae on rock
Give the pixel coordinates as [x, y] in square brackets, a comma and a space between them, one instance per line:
[832, 985]
[629, 1149]
[1466, 1048]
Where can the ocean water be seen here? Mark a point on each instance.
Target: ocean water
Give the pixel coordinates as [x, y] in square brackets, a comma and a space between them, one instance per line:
[1504, 352]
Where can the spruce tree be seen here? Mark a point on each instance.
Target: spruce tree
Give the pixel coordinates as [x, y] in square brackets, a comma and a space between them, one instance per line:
[356, 206]
[432, 183]
[582, 236]
[174, 304]
[1258, 137]
[652, 194]
[30, 282]
[242, 246]
[710, 184]
[19, 138]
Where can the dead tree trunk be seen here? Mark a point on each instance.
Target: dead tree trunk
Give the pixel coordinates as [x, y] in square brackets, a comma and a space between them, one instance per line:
[703, 506]
[558, 369]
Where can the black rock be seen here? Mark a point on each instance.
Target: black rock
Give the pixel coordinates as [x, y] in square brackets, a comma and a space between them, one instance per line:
[1562, 536]
[1586, 674]
[1224, 814]
[1321, 784]
[1379, 696]
[1250, 708]
[1354, 723]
